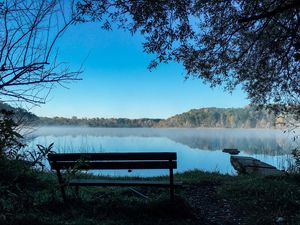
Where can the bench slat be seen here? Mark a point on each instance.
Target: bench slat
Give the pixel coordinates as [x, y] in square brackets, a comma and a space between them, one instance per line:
[122, 183]
[114, 156]
[116, 165]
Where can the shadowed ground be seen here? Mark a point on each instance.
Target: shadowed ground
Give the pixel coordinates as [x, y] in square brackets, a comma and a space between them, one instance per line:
[30, 197]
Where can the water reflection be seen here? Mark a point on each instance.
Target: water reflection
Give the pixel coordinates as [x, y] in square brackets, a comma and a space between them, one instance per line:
[196, 148]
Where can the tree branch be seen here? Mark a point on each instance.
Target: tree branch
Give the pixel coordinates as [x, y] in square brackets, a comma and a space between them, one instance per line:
[293, 5]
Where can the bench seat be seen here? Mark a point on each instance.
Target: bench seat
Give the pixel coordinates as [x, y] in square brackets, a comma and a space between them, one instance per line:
[121, 183]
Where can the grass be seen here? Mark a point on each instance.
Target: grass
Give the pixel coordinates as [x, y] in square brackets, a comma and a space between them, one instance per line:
[32, 197]
[265, 200]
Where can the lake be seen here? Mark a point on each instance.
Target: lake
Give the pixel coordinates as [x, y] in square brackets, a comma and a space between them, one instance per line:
[196, 148]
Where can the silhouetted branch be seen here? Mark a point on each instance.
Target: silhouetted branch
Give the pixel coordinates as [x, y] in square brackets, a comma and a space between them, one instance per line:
[29, 31]
[294, 5]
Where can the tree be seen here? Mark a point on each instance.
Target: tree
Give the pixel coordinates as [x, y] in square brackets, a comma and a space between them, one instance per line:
[255, 44]
[10, 139]
[29, 31]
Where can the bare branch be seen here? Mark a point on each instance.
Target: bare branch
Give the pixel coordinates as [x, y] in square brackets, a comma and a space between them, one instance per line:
[28, 68]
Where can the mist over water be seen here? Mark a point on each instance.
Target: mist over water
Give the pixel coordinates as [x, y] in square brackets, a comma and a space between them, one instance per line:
[196, 148]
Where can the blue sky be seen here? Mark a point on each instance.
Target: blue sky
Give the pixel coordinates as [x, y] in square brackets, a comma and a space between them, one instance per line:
[117, 83]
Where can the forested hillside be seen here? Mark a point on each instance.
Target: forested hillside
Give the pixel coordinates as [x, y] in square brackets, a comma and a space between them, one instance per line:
[246, 117]
[19, 114]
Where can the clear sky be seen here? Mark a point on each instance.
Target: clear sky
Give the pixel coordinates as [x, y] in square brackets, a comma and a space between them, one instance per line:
[117, 83]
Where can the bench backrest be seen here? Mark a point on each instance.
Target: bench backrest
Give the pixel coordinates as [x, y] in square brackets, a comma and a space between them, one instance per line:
[130, 160]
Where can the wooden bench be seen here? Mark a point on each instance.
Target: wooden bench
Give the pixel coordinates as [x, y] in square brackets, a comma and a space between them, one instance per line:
[114, 161]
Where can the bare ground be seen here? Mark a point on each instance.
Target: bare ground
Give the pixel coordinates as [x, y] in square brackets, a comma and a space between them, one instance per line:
[209, 209]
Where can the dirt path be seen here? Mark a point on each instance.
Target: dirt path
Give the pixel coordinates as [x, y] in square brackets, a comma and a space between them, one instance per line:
[208, 208]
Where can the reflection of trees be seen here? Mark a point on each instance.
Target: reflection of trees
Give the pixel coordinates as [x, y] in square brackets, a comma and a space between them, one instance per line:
[269, 142]
[250, 145]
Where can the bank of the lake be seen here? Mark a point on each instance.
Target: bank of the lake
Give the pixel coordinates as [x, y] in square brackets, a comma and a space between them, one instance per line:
[33, 197]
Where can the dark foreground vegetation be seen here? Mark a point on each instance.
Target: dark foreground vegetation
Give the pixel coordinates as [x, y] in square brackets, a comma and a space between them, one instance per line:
[29, 196]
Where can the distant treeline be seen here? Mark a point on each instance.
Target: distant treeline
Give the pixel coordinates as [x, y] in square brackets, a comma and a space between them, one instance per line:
[99, 122]
[247, 117]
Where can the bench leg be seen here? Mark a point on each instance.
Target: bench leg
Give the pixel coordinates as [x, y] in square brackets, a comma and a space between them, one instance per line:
[62, 185]
[171, 185]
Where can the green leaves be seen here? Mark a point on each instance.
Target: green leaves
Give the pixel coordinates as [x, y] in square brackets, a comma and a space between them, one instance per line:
[11, 141]
[38, 157]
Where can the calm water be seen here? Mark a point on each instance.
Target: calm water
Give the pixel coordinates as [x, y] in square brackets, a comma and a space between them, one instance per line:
[196, 148]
